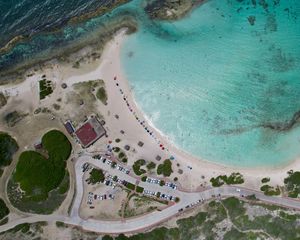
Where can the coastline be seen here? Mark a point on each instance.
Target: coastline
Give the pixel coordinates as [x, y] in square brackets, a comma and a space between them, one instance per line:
[108, 67]
[95, 42]
[76, 19]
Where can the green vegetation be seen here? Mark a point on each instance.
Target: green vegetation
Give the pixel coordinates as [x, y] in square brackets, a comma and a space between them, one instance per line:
[165, 168]
[270, 191]
[118, 140]
[101, 95]
[38, 175]
[116, 149]
[96, 176]
[8, 147]
[130, 186]
[139, 189]
[162, 183]
[265, 180]
[251, 197]
[12, 118]
[3, 100]
[107, 237]
[3, 221]
[60, 224]
[24, 228]
[137, 167]
[121, 155]
[144, 178]
[292, 184]
[234, 178]
[45, 88]
[4, 211]
[234, 206]
[65, 184]
[150, 166]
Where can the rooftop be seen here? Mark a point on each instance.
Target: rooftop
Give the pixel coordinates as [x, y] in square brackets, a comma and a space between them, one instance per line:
[90, 132]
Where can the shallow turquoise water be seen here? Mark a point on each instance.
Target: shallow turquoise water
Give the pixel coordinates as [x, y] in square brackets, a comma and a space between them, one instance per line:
[212, 81]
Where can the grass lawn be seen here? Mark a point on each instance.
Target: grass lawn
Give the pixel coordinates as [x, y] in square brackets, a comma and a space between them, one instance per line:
[37, 174]
[8, 146]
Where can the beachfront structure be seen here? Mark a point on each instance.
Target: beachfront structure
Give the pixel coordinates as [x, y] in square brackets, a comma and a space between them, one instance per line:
[90, 132]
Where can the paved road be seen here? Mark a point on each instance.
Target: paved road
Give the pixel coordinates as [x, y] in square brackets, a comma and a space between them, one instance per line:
[145, 221]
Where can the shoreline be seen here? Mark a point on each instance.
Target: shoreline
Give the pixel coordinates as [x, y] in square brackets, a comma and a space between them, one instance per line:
[95, 41]
[174, 147]
[109, 66]
[101, 10]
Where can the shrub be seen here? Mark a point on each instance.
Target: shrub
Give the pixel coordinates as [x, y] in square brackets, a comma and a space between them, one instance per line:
[292, 184]
[137, 167]
[144, 178]
[116, 149]
[151, 166]
[4, 211]
[139, 189]
[265, 180]
[121, 155]
[165, 168]
[234, 178]
[101, 95]
[8, 147]
[96, 176]
[130, 186]
[270, 191]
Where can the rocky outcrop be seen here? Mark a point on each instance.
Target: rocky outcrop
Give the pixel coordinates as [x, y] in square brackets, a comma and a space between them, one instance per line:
[170, 9]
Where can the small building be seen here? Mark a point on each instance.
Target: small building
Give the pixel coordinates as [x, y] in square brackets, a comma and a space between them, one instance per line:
[90, 132]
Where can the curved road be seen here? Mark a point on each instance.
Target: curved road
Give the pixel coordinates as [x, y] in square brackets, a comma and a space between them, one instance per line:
[145, 221]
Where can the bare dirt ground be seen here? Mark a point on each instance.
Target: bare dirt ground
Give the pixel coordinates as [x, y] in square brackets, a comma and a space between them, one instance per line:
[103, 209]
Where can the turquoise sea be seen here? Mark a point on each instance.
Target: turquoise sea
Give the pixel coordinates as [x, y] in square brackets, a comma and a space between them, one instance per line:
[223, 83]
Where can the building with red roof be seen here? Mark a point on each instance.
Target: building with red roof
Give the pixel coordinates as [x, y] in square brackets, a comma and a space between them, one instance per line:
[90, 132]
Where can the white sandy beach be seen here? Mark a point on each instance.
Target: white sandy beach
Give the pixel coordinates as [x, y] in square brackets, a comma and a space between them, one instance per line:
[109, 69]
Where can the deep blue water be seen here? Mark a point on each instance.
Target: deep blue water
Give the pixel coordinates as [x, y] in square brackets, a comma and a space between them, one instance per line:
[28, 17]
